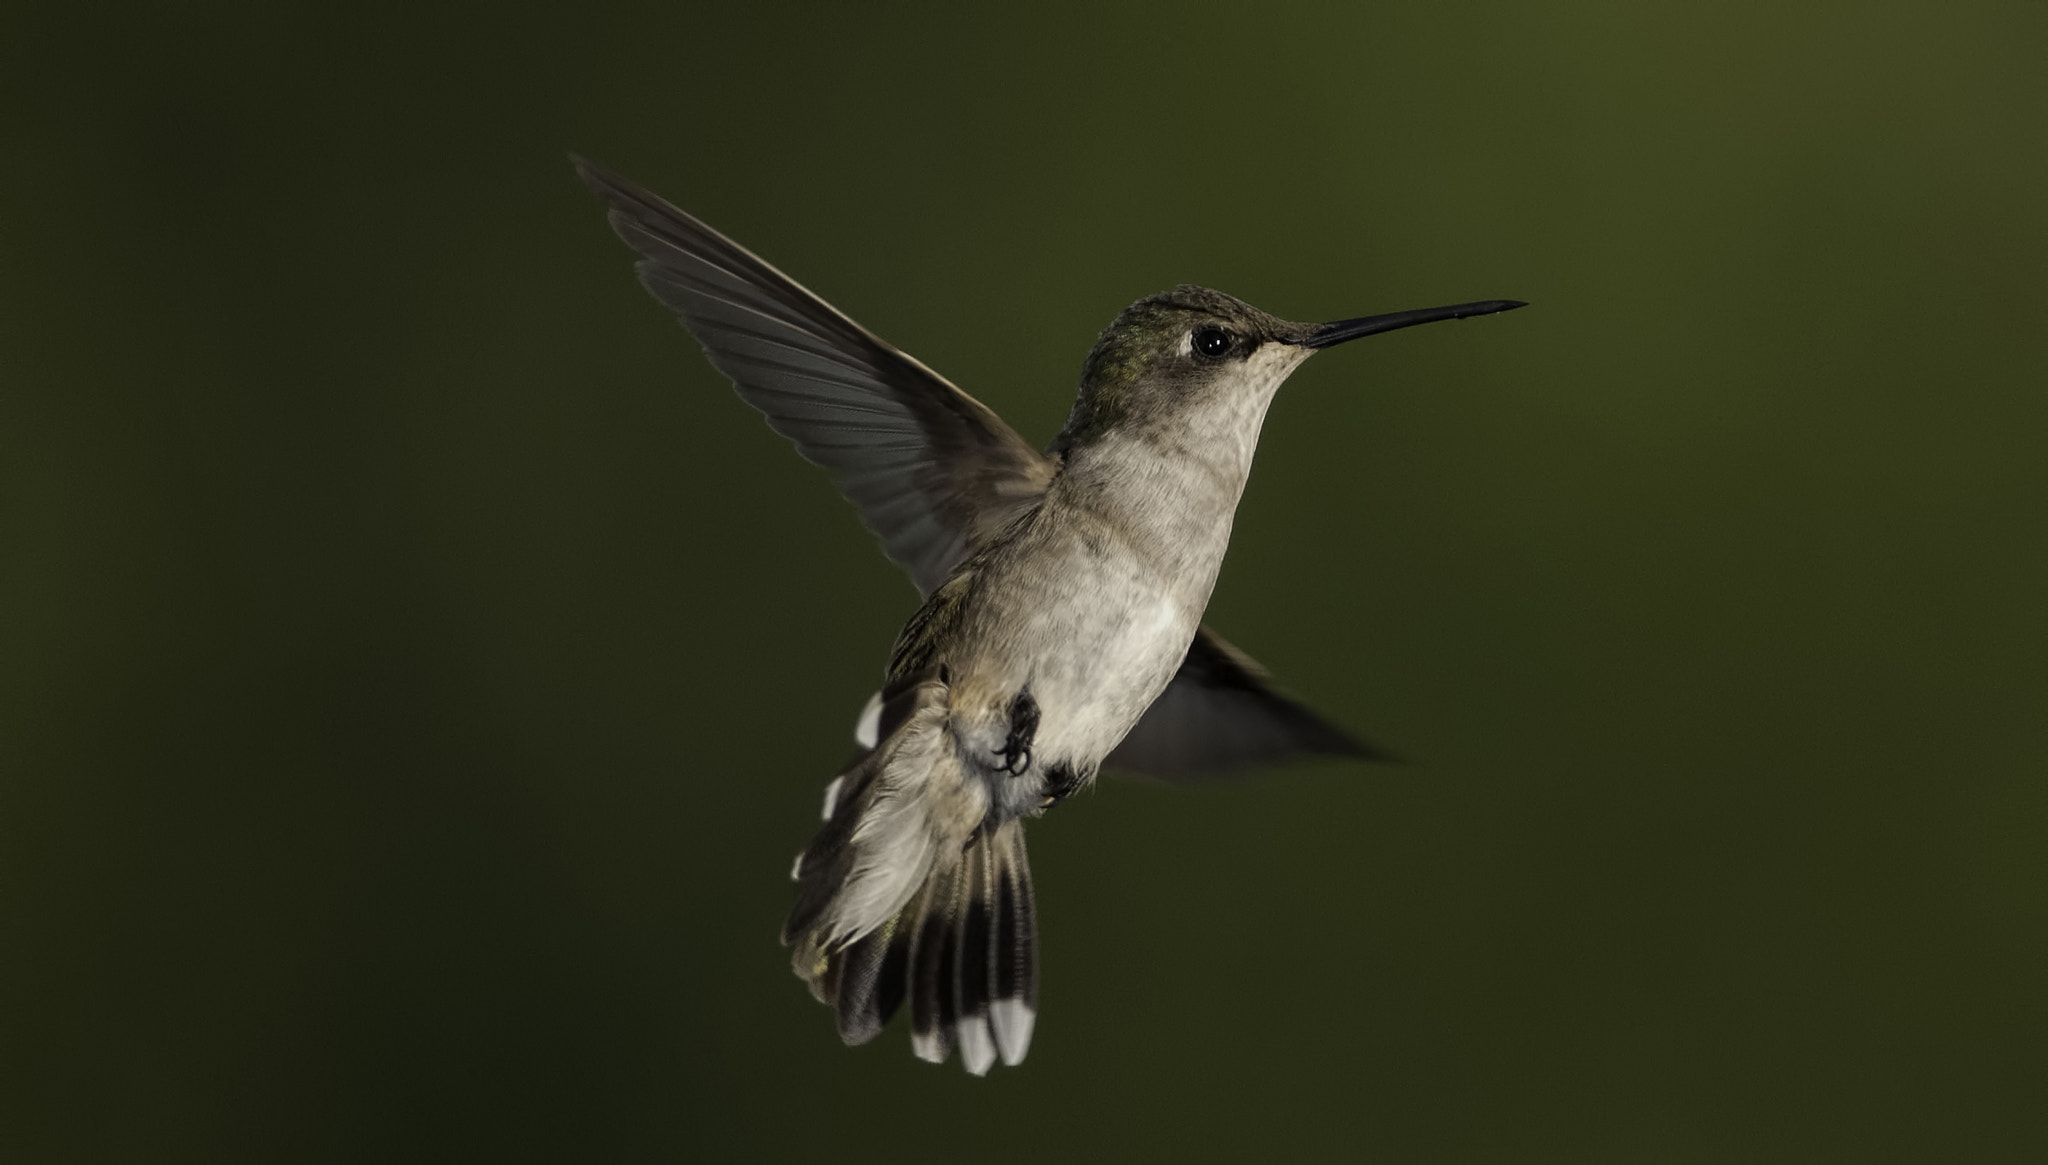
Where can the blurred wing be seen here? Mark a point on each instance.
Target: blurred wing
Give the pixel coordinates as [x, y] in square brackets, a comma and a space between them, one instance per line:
[1219, 717]
[933, 471]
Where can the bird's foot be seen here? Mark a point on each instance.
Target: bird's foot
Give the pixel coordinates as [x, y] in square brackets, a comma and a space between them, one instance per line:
[1016, 751]
[1060, 783]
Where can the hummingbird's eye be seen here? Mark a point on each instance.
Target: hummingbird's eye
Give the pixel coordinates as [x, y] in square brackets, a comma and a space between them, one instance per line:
[1211, 342]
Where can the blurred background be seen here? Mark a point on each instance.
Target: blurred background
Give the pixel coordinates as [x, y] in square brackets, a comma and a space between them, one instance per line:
[418, 668]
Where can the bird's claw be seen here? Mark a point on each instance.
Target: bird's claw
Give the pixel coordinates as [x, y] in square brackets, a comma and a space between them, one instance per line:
[1016, 751]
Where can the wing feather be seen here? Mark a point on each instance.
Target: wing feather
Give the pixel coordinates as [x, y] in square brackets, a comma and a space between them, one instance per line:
[933, 471]
[1220, 716]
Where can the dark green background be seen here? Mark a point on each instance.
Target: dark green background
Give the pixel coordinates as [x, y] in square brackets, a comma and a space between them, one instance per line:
[419, 668]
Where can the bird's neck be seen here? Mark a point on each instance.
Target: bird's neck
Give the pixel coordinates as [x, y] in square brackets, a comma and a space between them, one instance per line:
[1167, 493]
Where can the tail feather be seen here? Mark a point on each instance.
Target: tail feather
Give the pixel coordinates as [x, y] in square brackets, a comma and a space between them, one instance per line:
[866, 984]
[974, 959]
[931, 967]
[910, 892]
[962, 952]
[1013, 992]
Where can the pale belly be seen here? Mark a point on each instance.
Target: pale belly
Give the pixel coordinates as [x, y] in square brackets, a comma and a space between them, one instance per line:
[1094, 646]
[1092, 691]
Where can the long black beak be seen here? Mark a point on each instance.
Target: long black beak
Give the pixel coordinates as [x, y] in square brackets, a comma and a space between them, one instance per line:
[1331, 334]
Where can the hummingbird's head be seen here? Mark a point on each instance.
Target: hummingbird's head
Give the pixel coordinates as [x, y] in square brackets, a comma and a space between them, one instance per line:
[1206, 363]
[1173, 358]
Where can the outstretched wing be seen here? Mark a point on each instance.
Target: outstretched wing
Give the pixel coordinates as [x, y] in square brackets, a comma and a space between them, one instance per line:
[933, 471]
[1218, 717]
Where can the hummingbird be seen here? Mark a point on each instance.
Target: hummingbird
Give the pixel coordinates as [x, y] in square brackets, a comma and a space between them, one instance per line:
[1061, 623]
